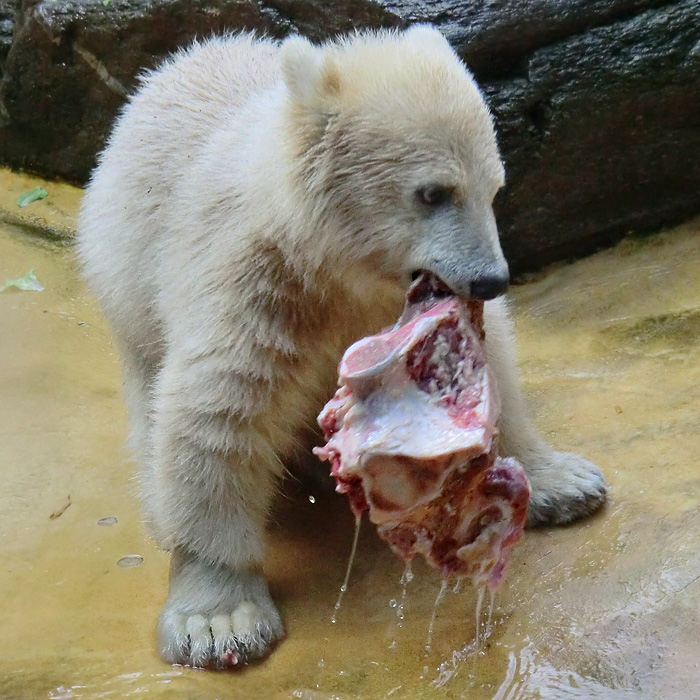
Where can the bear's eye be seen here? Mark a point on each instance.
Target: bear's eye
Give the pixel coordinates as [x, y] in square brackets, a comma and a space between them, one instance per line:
[434, 195]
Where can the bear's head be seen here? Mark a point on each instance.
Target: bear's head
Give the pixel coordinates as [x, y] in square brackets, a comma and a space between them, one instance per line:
[397, 157]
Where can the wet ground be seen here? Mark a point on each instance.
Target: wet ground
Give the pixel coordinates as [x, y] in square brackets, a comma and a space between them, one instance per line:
[605, 609]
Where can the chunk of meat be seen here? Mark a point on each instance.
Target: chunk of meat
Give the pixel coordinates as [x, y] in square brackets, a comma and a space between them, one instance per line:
[412, 438]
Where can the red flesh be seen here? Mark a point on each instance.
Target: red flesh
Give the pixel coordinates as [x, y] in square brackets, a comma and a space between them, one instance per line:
[411, 437]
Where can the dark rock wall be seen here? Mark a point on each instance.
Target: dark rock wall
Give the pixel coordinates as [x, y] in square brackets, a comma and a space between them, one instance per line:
[601, 134]
[8, 12]
[73, 62]
[597, 102]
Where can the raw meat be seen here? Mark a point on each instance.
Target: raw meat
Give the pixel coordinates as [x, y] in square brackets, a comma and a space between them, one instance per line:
[411, 436]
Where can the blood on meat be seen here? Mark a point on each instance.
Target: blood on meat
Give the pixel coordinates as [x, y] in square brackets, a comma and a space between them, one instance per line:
[412, 438]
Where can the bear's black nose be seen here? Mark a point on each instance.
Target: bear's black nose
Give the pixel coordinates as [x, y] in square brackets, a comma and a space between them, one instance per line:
[488, 287]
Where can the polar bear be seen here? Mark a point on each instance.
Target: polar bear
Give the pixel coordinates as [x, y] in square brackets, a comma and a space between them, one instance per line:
[259, 207]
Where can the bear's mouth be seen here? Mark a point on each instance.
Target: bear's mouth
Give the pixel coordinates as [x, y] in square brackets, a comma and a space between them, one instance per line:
[482, 287]
[427, 285]
[426, 291]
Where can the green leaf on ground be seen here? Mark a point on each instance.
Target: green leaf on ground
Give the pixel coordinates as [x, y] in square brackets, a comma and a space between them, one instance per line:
[28, 283]
[32, 196]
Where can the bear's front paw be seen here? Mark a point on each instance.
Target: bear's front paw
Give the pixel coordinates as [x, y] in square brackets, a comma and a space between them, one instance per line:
[565, 487]
[220, 640]
[216, 617]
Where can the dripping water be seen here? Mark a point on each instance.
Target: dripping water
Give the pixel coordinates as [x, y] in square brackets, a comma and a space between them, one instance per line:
[492, 595]
[431, 626]
[450, 667]
[344, 587]
[406, 578]
[479, 604]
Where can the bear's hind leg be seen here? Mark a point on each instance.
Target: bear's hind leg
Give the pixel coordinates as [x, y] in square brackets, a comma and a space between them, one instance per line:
[565, 486]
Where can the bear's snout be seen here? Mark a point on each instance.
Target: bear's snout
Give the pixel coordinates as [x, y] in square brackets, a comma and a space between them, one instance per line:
[489, 286]
[487, 283]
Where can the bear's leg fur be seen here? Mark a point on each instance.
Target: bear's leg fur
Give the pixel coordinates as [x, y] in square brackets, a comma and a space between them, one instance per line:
[211, 476]
[138, 375]
[565, 486]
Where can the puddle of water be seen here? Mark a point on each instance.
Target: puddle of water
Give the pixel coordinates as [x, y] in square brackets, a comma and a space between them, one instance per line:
[604, 609]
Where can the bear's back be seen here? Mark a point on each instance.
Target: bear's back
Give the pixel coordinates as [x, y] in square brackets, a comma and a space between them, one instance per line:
[197, 89]
[159, 135]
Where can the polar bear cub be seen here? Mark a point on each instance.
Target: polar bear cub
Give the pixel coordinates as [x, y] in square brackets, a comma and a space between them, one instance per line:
[259, 207]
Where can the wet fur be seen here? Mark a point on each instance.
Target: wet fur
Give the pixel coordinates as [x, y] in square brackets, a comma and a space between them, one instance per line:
[252, 215]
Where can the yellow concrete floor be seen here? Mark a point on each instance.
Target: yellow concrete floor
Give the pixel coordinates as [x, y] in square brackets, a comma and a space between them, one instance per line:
[605, 609]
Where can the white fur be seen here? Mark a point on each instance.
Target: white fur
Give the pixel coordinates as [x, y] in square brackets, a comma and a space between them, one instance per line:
[253, 214]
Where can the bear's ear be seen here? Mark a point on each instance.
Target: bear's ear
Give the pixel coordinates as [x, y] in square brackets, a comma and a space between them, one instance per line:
[428, 36]
[310, 74]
